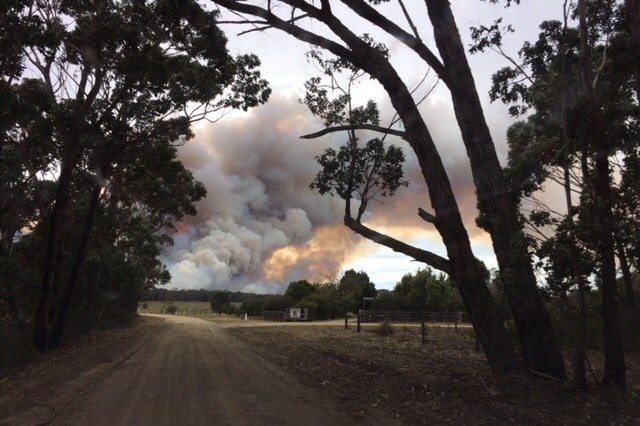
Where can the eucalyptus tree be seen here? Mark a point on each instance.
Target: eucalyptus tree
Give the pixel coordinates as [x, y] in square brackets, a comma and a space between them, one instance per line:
[579, 84]
[118, 76]
[428, 291]
[136, 210]
[297, 290]
[358, 284]
[498, 210]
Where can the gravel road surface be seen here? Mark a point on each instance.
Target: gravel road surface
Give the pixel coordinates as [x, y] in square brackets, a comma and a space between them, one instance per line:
[189, 372]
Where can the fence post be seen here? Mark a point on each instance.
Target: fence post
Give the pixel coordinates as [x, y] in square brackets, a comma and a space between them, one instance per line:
[358, 323]
[423, 332]
[346, 322]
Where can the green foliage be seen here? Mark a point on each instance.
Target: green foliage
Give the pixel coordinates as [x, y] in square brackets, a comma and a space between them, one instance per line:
[18, 292]
[390, 301]
[298, 290]
[338, 109]
[565, 313]
[357, 283]
[190, 307]
[271, 302]
[369, 172]
[328, 302]
[429, 291]
[489, 37]
[555, 142]
[172, 309]
[220, 301]
[320, 306]
[364, 172]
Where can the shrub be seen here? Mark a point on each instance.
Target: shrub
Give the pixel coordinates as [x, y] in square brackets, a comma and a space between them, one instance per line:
[385, 328]
[172, 309]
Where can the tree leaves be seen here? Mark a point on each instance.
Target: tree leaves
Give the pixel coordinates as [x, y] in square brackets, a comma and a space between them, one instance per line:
[377, 171]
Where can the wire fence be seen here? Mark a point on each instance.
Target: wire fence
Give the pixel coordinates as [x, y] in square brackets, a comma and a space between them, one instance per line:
[414, 317]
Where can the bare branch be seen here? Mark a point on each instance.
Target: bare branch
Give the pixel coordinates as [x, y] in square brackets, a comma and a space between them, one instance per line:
[370, 14]
[348, 127]
[427, 257]
[409, 20]
[293, 30]
[426, 216]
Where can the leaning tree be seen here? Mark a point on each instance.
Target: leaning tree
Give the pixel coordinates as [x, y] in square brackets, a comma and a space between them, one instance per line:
[320, 24]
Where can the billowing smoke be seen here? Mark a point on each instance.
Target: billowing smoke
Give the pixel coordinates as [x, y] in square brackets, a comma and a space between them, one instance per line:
[259, 214]
[261, 227]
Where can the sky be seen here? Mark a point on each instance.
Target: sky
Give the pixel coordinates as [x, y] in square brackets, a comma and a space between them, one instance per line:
[261, 227]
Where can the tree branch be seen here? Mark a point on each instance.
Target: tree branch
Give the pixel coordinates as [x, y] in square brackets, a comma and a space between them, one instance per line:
[431, 259]
[370, 14]
[354, 127]
[409, 20]
[426, 216]
[290, 28]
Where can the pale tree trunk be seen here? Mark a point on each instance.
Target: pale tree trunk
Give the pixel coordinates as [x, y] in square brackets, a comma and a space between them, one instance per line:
[498, 209]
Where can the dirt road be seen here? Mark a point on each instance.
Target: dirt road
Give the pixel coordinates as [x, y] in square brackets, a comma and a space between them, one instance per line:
[187, 372]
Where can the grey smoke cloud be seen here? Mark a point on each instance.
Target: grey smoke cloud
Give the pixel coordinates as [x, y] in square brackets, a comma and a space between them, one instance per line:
[257, 172]
[261, 227]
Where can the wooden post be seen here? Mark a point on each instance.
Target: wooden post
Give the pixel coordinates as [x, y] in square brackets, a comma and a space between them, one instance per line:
[346, 322]
[358, 323]
[423, 333]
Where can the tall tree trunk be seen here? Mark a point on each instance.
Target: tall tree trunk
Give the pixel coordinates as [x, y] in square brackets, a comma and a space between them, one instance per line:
[464, 266]
[580, 349]
[497, 206]
[45, 311]
[614, 365]
[59, 323]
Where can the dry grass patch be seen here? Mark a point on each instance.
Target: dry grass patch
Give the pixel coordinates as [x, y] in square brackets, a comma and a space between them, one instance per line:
[444, 381]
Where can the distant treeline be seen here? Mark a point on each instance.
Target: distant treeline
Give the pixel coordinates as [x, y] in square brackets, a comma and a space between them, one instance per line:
[200, 295]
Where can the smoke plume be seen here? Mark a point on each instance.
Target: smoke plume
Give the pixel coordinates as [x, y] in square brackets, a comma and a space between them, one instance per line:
[260, 225]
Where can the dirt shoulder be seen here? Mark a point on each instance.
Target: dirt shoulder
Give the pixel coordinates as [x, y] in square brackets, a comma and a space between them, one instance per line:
[442, 382]
[31, 394]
